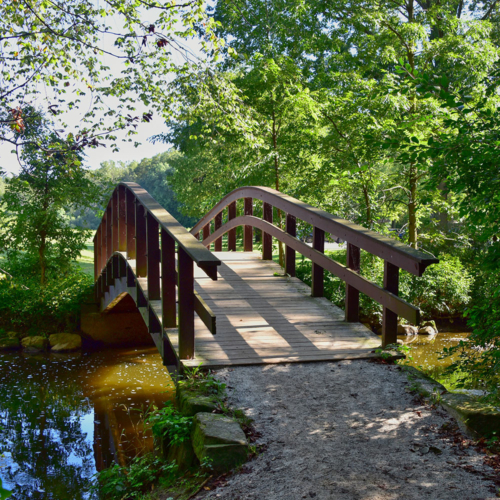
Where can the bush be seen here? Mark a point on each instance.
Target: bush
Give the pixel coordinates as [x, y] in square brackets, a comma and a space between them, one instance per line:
[167, 423]
[28, 307]
[443, 291]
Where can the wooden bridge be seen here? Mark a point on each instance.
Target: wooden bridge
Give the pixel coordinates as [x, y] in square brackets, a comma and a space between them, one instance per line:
[225, 308]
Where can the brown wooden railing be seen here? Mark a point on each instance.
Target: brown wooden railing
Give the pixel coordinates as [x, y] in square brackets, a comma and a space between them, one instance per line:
[135, 251]
[396, 255]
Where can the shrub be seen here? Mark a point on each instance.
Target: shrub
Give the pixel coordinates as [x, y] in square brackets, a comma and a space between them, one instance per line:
[169, 424]
[27, 306]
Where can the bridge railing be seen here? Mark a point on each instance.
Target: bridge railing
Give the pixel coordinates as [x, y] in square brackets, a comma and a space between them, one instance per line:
[135, 227]
[395, 254]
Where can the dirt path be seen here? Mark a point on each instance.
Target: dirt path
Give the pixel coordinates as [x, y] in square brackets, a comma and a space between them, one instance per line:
[347, 430]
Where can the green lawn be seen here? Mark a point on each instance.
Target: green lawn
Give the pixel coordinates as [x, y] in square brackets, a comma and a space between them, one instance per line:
[86, 260]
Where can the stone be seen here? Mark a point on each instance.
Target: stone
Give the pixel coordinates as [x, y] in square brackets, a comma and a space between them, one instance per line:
[407, 330]
[192, 400]
[9, 344]
[182, 454]
[36, 343]
[220, 440]
[430, 323]
[13, 335]
[61, 342]
[427, 330]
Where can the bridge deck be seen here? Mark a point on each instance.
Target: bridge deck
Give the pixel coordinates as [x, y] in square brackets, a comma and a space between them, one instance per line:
[263, 318]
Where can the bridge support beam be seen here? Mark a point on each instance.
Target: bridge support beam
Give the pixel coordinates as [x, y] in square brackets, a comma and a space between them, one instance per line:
[291, 229]
[248, 230]
[231, 238]
[267, 239]
[351, 293]
[186, 305]
[390, 318]
[168, 278]
[218, 225]
[318, 273]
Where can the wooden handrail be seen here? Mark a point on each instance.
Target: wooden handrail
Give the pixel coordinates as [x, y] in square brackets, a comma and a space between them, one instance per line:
[134, 247]
[395, 254]
[402, 256]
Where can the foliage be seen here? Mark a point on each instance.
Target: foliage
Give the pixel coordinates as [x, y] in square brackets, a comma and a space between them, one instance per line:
[27, 306]
[203, 381]
[167, 423]
[33, 216]
[118, 482]
[104, 60]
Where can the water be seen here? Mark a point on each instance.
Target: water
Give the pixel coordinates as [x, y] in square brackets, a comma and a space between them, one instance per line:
[426, 350]
[65, 417]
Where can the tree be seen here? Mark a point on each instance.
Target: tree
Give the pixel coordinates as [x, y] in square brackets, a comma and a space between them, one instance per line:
[104, 58]
[52, 180]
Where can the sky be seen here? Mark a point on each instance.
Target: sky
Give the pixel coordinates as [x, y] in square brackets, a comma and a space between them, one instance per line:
[128, 152]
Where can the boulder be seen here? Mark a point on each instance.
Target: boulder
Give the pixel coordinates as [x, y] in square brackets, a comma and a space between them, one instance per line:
[9, 344]
[430, 323]
[36, 343]
[192, 400]
[407, 330]
[13, 335]
[427, 330]
[62, 342]
[220, 440]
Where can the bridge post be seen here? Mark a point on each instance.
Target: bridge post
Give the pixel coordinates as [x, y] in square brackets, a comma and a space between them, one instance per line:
[130, 221]
[186, 305]
[109, 231]
[122, 219]
[97, 251]
[231, 238]
[291, 229]
[115, 220]
[351, 294]
[206, 232]
[267, 239]
[390, 318]
[141, 265]
[248, 231]
[318, 274]
[168, 305]
[153, 257]
[218, 224]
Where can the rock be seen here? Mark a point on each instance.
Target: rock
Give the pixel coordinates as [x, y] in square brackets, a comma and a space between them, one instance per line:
[407, 330]
[13, 335]
[61, 342]
[430, 323]
[182, 454]
[192, 400]
[36, 343]
[220, 440]
[427, 330]
[9, 344]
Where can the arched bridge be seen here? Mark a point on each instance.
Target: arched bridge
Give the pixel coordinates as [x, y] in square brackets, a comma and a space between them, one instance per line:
[225, 308]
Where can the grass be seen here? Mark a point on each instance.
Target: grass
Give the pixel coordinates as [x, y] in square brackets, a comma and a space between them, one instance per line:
[86, 260]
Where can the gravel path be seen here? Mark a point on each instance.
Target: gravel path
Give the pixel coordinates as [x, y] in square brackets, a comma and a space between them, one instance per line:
[347, 430]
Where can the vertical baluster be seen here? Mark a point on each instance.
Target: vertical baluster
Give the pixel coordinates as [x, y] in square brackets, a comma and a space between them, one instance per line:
[291, 228]
[153, 257]
[206, 232]
[141, 264]
[130, 221]
[115, 220]
[248, 231]
[168, 280]
[109, 231]
[218, 225]
[186, 305]
[231, 239]
[389, 318]
[267, 239]
[98, 248]
[351, 294]
[317, 288]
[122, 219]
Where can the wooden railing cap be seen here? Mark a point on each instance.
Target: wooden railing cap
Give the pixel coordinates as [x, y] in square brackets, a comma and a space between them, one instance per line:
[399, 254]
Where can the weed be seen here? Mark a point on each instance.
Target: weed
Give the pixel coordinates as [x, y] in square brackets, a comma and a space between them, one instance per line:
[167, 423]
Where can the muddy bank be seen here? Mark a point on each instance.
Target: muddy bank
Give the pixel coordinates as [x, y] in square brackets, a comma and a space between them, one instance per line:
[348, 430]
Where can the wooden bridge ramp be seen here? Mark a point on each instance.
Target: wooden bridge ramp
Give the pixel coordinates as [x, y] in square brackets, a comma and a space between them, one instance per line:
[266, 317]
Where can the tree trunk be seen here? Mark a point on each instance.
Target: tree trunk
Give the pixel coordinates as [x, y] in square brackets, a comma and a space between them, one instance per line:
[41, 255]
[412, 207]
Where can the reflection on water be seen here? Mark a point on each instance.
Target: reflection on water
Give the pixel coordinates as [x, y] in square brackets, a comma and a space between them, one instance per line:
[63, 417]
[426, 349]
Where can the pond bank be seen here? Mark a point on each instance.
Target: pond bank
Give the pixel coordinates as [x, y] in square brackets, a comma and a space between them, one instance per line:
[348, 430]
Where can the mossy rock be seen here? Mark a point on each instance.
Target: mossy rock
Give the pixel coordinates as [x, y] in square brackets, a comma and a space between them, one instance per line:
[9, 344]
[182, 454]
[63, 342]
[475, 418]
[36, 343]
[220, 440]
[194, 399]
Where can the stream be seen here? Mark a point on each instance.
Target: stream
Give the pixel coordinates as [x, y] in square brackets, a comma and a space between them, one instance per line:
[63, 417]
